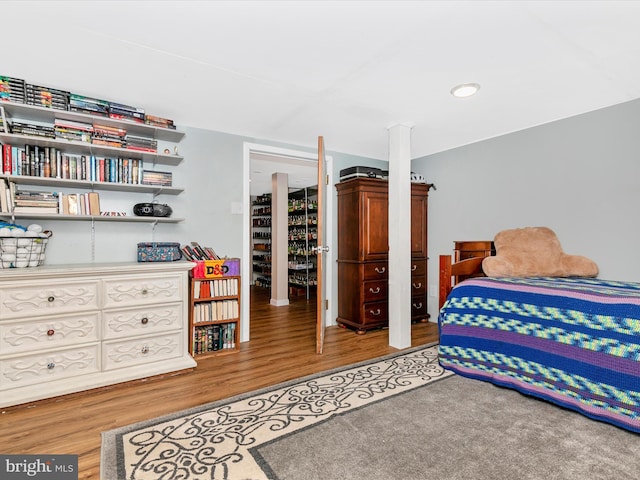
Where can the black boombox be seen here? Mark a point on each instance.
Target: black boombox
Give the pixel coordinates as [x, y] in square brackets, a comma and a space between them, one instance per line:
[152, 210]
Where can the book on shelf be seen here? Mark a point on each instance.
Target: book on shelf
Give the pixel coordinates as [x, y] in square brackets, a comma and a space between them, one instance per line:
[220, 287]
[81, 203]
[25, 201]
[16, 90]
[127, 108]
[215, 311]
[34, 210]
[150, 177]
[73, 125]
[51, 162]
[94, 203]
[159, 121]
[197, 252]
[213, 338]
[4, 200]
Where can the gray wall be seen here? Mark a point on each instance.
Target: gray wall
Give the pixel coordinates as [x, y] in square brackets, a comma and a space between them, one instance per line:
[211, 174]
[579, 176]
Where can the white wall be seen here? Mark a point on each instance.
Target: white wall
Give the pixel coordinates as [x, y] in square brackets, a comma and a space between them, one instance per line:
[579, 176]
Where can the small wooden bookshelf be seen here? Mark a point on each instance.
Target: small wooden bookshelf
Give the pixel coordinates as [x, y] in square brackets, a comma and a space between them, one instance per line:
[214, 315]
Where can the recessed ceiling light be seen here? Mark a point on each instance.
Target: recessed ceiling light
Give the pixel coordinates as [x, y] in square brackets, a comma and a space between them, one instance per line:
[465, 90]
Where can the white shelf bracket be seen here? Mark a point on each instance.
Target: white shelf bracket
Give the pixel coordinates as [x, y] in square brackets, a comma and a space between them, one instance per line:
[93, 240]
[153, 230]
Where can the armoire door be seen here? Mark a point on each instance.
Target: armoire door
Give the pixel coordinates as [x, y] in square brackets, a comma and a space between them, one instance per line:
[375, 208]
[419, 220]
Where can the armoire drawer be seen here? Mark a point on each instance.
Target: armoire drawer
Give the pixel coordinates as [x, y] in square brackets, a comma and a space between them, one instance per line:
[141, 350]
[418, 267]
[375, 290]
[375, 313]
[41, 368]
[419, 306]
[47, 298]
[142, 320]
[375, 270]
[140, 290]
[50, 332]
[418, 286]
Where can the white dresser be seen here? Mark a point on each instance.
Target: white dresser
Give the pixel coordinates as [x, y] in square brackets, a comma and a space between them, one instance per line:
[69, 328]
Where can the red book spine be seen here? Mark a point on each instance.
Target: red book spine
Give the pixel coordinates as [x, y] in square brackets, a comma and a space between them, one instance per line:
[6, 159]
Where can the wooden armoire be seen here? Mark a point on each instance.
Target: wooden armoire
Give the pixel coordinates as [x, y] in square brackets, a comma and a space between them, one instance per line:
[363, 246]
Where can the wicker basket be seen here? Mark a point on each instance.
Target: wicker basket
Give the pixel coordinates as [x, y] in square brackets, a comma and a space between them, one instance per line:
[24, 251]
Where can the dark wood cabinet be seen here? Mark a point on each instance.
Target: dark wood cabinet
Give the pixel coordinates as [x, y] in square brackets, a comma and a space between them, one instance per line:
[363, 247]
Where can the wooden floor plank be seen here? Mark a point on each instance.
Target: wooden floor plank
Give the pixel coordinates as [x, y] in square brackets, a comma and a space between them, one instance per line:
[282, 347]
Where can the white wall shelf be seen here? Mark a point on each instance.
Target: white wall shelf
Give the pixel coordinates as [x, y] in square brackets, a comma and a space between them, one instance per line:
[48, 115]
[89, 185]
[74, 147]
[91, 218]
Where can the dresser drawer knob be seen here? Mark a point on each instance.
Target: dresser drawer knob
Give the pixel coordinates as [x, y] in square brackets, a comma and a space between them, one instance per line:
[375, 312]
[417, 306]
[51, 299]
[417, 285]
[380, 270]
[414, 267]
[377, 290]
[144, 320]
[144, 291]
[50, 332]
[51, 365]
[145, 350]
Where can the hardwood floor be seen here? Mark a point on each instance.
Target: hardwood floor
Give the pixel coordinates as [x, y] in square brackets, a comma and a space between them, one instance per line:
[282, 347]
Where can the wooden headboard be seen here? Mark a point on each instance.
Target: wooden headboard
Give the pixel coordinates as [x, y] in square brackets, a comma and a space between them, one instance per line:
[449, 273]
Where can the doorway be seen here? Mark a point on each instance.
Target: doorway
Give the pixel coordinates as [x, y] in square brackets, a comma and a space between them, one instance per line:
[260, 162]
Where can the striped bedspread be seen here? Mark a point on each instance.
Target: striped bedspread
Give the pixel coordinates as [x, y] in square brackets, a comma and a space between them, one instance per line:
[574, 342]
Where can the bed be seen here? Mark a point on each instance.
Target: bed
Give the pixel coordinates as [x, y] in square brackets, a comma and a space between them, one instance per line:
[574, 342]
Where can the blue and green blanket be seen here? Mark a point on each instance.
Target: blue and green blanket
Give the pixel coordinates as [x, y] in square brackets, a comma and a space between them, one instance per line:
[572, 341]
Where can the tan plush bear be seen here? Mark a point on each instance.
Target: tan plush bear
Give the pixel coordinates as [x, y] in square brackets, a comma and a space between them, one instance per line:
[534, 252]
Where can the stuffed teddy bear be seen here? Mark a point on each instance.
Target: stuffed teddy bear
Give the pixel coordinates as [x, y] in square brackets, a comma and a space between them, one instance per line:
[534, 252]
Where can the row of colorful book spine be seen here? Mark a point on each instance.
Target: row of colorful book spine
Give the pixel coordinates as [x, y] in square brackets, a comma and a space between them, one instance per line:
[211, 338]
[50, 162]
[216, 311]
[221, 287]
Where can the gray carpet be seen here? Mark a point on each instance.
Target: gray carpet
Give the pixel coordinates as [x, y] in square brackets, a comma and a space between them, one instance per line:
[455, 428]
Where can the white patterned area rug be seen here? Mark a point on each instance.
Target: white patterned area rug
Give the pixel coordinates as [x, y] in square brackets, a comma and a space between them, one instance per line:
[215, 441]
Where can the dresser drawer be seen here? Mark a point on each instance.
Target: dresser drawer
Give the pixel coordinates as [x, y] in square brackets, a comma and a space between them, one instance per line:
[46, 333]
[375, 290]
[137, 351]
[48, 298]
[375, 270]
[138, 290]
[375, 313]
[40, 368]
[142, 320]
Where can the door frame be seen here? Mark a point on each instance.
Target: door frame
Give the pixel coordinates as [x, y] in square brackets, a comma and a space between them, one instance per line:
[245, 264]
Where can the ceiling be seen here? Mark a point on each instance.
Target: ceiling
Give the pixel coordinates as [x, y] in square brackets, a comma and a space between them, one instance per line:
[301, 173]
[290, 71]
